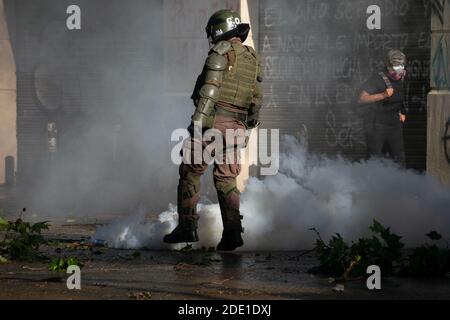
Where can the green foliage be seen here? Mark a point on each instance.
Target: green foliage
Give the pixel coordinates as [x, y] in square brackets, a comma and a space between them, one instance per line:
[3, 260]
[428, 260]
[3, 224]
[334, 257]
[22, 239]
[61, 265]
[433, 235]
[384, 249]
[337, 258]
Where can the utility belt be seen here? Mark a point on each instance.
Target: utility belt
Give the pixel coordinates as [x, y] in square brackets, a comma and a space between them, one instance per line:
[236, 115]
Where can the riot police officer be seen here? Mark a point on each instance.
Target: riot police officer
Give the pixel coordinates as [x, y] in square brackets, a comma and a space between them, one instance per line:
[227, 95]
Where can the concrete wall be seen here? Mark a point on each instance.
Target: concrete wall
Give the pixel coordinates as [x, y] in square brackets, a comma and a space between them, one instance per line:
[8, 141]
[185, 43]
[249, 10]
[439, 97]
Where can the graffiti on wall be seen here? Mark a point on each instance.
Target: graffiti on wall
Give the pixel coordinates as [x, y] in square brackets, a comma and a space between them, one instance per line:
[440, 66]
[440, 63]
[446, 139]
[437, 7]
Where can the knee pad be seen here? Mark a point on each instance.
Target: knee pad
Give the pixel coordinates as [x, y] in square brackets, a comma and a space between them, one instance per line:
[188, 188]
[225, 188]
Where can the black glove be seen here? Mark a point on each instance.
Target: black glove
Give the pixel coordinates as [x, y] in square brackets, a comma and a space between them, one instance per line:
[252, 124]
[252, 120]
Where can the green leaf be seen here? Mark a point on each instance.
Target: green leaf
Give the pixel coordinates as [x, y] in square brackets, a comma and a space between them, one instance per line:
[61, 265]
[54, 265]
[433, 235]
[23, 239]
[3, 260]
[378, 227]
[38, 227]
[3, 223]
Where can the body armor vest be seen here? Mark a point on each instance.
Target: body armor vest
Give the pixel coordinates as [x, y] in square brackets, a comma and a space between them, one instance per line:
[239, 79]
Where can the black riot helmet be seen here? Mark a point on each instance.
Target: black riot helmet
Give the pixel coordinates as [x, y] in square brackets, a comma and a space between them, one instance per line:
[226, 24]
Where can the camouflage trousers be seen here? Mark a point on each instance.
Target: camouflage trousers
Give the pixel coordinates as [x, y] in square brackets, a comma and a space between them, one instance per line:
[225, 174]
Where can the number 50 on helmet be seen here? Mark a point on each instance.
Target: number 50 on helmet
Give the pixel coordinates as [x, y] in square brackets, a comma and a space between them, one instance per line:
[226, 24]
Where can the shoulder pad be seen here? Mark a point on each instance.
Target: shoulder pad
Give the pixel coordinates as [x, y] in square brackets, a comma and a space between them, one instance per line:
[222, 47]
[238, 47]
[216, 62]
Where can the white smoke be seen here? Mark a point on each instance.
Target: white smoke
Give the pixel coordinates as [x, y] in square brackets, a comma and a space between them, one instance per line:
[331, 195]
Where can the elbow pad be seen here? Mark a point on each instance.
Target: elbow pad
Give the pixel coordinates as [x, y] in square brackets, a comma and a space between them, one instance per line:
[209, 93]
[205, 110]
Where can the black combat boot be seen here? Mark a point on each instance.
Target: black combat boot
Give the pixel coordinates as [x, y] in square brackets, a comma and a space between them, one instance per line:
[231, 240]
[184, 232]
[231, 236]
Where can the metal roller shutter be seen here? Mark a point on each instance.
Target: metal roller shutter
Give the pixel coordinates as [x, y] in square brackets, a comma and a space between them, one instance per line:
[316, 54]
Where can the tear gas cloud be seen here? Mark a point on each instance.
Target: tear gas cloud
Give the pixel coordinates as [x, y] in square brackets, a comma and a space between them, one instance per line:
[103, 87]
[330, 194]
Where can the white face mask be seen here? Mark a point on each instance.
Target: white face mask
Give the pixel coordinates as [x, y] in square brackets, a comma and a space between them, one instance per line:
[399, 69]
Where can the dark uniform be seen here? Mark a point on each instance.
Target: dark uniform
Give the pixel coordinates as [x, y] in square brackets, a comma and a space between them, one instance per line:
[382, 121]
[227, 95]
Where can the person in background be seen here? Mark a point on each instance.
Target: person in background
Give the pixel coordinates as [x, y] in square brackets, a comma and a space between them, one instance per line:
[384, 95]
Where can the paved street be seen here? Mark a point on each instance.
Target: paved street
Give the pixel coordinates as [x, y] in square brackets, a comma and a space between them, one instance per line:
[127, 274]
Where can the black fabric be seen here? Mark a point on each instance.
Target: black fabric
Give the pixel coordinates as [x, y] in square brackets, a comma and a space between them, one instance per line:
[381, 136]
[384, 131]
[386, 111]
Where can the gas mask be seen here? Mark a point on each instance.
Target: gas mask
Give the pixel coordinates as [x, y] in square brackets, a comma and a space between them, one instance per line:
[395, 62]
[398, 72]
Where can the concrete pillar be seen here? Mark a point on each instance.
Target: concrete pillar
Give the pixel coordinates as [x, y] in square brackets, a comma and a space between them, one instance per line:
[8, 110]
[9, 171]
[249, 10]
[439, 96]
